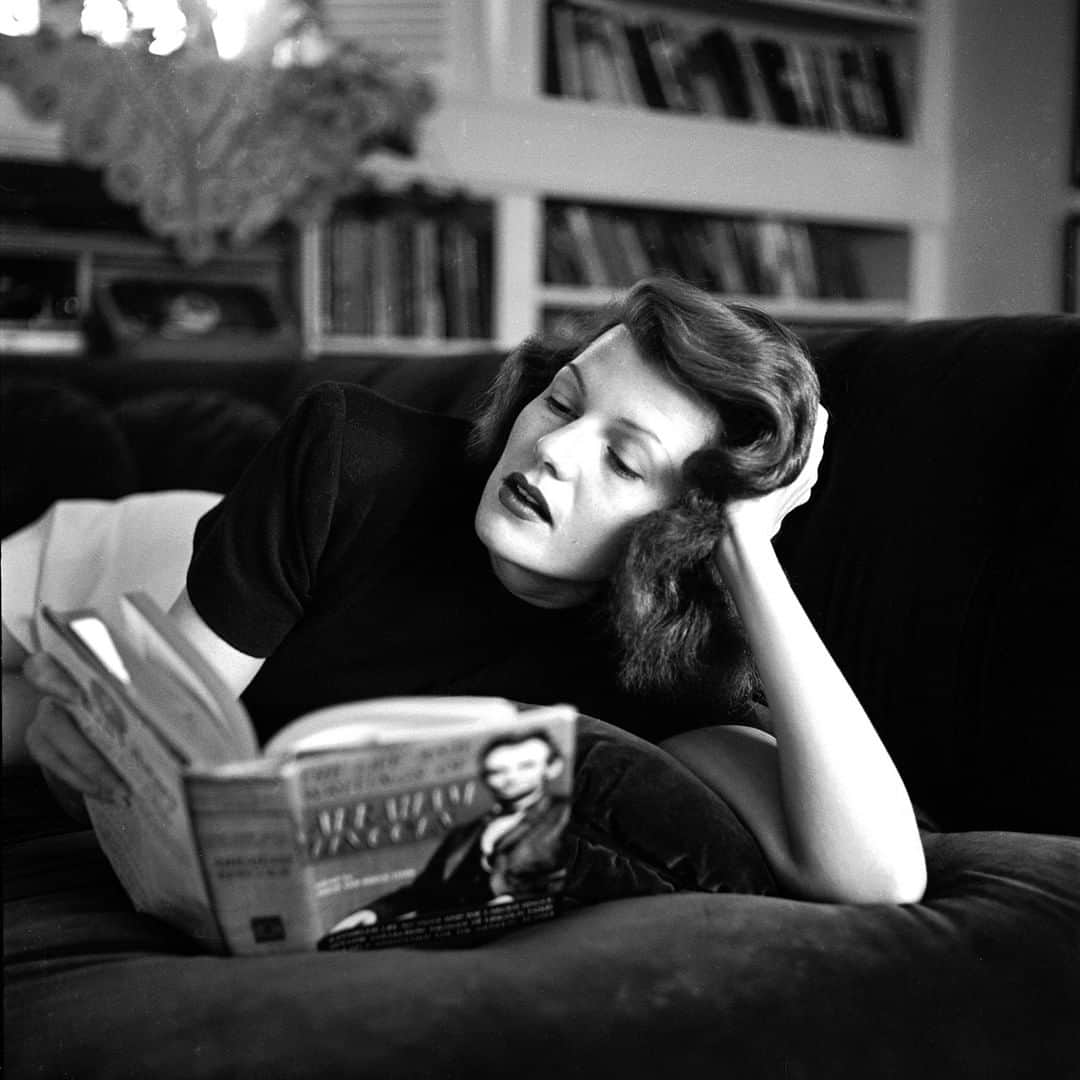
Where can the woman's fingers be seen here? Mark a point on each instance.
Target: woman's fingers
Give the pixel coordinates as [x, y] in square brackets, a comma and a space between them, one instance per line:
[56, 742]
[50, 679]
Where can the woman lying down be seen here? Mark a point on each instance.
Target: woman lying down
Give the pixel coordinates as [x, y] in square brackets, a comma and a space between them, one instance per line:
[602, 534]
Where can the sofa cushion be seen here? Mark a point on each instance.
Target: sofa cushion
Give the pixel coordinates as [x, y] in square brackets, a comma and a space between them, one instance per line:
[451, 384]
[191, 438]
[979, 980]
[58, 442]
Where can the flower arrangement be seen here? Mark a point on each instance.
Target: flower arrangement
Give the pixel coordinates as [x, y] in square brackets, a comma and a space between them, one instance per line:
[215, 150]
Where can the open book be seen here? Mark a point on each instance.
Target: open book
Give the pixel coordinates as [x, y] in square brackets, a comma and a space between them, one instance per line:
[383, 822]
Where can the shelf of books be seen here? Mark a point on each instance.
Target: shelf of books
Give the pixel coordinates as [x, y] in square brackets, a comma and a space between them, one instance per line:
[798, 269]
[406, 269]
[840, 67]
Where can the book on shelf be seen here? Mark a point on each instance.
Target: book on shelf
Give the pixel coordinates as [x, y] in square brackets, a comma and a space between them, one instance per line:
[562, 259]
[579, 220]
[772, 59]
[719, 56]
[564, 76]
[601, 78]
[828, 80]
[652, 91]
[838, 268]
[355, 270]
[668, 51]
[363, 825]
[431, 303]
[726, 258]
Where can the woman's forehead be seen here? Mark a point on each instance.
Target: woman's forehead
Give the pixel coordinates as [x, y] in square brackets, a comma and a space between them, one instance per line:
[616, 376]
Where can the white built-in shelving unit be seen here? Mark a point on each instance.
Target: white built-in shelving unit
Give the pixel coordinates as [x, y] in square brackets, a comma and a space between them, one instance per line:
[498, 135]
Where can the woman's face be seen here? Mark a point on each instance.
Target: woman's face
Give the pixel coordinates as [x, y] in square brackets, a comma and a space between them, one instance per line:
[599, 449]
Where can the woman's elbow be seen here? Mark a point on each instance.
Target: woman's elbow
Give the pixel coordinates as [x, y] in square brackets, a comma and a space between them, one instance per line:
[897, 885]
[898, 882]
[909, 886]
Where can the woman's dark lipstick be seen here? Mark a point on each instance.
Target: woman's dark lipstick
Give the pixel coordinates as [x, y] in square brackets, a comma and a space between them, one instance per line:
[523, 500]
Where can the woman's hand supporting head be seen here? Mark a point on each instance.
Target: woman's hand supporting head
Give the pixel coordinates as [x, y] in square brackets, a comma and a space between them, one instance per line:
[761, 516]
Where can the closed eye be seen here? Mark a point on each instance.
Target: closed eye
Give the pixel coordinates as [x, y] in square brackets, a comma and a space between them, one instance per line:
[558, 406]
[620, 466]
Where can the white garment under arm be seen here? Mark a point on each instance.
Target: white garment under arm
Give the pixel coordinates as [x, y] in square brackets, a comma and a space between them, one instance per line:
[89, 552]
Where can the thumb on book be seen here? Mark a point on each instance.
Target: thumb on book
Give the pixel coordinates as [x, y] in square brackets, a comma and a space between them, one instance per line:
[48, 677]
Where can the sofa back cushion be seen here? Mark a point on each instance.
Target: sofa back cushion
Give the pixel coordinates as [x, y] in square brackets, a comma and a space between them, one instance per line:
[57, 443]
[939, 556]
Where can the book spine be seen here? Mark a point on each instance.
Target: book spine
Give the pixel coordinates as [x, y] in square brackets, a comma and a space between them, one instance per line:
[456, 275]
[729, 71]
[626, 72]
[432, 313]
[406, 283]
[562, 40]
[773, 65]
[633, 248]
[562, 261]
[725, 255]
[827, 74]
[892, 103]
[597, 58]
[619, 270]
[666, 52]
[581, 229]
[469, 242]
[651, 87]
[382, 270]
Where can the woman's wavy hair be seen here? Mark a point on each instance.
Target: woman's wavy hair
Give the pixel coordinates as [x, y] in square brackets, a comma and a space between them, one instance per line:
[669, 607]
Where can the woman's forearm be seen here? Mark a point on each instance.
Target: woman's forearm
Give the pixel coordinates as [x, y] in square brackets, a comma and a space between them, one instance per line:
[850, 826]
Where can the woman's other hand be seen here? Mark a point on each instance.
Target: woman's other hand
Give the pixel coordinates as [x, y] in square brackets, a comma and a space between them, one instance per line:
[763, 515]
[72, 766]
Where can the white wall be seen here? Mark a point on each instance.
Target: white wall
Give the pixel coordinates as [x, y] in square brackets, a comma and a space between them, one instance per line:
[1012, 116]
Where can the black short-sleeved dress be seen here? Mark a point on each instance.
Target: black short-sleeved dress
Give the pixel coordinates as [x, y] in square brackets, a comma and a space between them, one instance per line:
[346, 555]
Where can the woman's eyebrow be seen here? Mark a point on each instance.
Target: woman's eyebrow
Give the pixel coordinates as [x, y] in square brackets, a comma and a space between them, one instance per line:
[625, 421]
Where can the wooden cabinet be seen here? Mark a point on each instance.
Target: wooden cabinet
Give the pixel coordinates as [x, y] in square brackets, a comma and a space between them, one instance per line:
[71, 291]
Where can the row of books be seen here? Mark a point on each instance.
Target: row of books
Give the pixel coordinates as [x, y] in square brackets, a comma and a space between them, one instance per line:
[752, 256]
[395, 267]
[844, 84]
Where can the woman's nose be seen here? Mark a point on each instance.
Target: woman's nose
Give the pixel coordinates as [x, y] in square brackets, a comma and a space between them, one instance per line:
[558, 451]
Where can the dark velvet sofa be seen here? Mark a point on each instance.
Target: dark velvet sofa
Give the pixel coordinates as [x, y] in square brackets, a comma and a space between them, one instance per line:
[940, 558]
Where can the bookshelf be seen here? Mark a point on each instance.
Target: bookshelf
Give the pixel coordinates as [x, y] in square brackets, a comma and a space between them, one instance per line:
[499, 134]
[499, 139]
